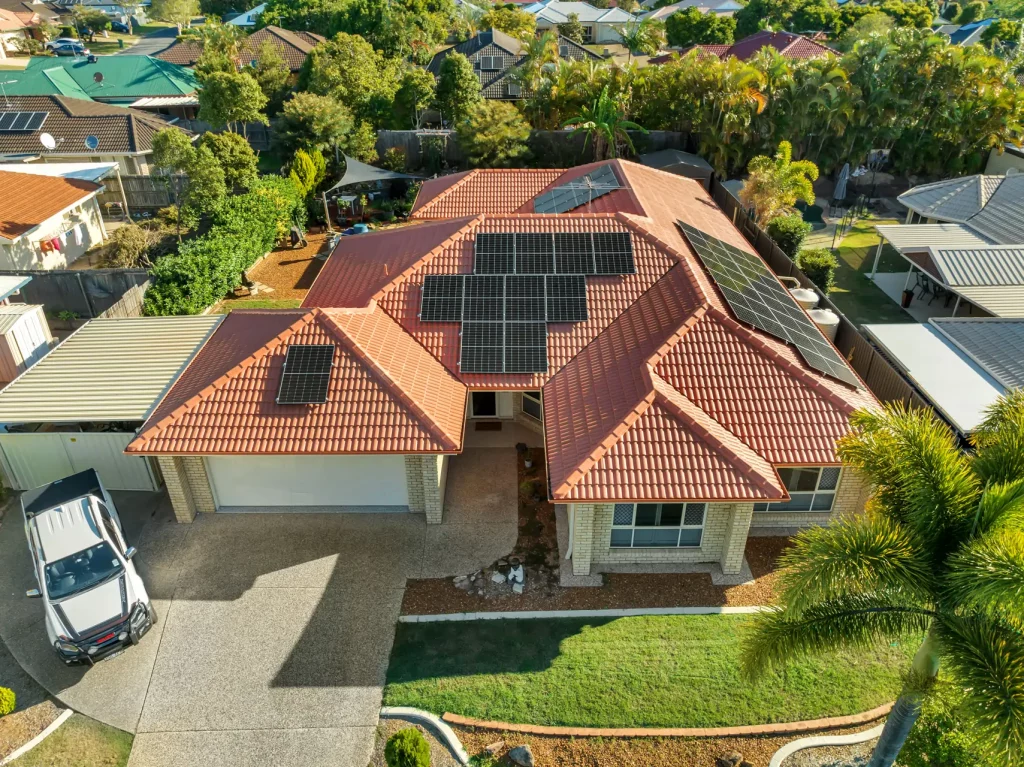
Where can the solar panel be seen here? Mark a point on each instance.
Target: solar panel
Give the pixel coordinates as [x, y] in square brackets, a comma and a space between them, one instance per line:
[613, 253]
[442, 298]
[484, 298]
[36, 121]
[566, 298]
[6, 118]
[577, 192]
[524, 298]
[21, 121]
[757, 298]
[483, 347]
[535, 254]
[526, 345]
[574, 253]
[494, 254]
[306, 374]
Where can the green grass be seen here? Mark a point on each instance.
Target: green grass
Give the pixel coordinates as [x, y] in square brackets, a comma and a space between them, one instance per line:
[106, 45]
[257, 303]
[856, 296]
[152, 26]
[652, 671]
[80, 742]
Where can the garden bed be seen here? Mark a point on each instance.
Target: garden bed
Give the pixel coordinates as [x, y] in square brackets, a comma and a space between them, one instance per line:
[650, 671]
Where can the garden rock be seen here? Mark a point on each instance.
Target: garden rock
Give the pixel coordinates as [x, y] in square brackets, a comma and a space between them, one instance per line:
[729, 759]
[517, 588]
[522, 755]
[495, 748]
[498, 577]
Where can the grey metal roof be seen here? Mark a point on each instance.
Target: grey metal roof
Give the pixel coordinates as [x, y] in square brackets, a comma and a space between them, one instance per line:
[11, 313]
[997, 265]
[12, 283]
[917, 237]
[108, 370]
[997, 344]
[991, 205]
[666, 159]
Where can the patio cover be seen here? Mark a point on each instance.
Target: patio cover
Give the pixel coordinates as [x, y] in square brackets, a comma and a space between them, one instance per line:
[957, 386]
[360, 173]
[85, 171]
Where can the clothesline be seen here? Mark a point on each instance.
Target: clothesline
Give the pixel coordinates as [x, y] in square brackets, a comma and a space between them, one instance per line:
[59, 242]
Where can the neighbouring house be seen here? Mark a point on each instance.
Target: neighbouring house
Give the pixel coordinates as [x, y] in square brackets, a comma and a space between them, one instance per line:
[963, 242]
[122, 11]
[123, 136]
[966, 34]
[495, 56]
[717, 7]
[1009, 160]
[79, 406]
[599, 24]
[293, 46]
[961, 367]
[247, 18]
[46, 222]
[143, 82]
[592, 311]
[17, 25]
[788, 44]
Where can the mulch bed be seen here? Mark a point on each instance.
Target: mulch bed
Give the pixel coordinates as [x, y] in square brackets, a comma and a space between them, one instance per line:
[20, 727]
[440, 756]
[631, 752]
[290, 272]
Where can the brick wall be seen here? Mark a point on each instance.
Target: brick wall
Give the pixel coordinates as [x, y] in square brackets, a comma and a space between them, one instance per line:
[520, 417]
[199, 481]
[425, 476]
[583, 537]
[414, 481]
[852, 494]
[178, 489]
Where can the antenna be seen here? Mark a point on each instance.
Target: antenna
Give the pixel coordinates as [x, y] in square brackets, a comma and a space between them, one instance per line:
[7, 101]
[48, 141]
[92, 143]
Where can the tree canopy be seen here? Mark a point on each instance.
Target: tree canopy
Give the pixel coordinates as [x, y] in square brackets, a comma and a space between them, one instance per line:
[458, 88]
[347, 68]
[234, 155]
[229, 98]
[510, 19]
[180, 12]
[693, 27]
[494, 135]
[312, 122]
[775, 184]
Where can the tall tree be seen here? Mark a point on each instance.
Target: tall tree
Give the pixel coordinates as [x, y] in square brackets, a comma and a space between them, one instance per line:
[604, 123]
[235, 157]
[458, 88]
[231, 98]
[573, 29]
[272, 73]
[645, 37]
[776, 183]
[692, 27]
[312, 122]
[415, 95]
[539, 55]
[349, 69]
[494, 135]
[179, 12]
[511, 20]
[939, 554]
[215, 37]
[89, 21]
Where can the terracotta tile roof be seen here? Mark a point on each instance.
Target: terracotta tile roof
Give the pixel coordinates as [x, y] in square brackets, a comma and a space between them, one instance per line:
[789, 44]
[26, 200]
[293, 46]
[386, 394]
[480, 191]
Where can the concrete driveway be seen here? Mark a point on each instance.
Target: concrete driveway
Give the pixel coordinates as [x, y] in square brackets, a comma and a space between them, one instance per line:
[274, 632]
[152, 44]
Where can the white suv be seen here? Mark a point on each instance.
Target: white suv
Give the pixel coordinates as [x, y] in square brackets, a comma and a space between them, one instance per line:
[94, 601]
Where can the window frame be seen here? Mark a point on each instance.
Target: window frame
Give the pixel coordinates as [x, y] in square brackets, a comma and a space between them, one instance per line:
[528, 395]
[770, 508]
[660, 508]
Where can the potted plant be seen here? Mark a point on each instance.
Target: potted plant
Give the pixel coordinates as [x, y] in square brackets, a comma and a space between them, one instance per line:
[524, 451]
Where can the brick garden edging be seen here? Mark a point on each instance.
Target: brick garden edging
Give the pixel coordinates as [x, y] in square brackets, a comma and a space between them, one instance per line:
[780, 728]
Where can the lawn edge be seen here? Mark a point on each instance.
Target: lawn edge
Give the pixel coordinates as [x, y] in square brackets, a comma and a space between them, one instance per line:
[779, 728]
[627, 612]
[47, 732]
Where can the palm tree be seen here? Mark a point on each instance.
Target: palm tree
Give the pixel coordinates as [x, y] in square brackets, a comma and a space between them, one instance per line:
[606, 124]
[776, 183]
[938, 554]
[646, 37]
[540, 55]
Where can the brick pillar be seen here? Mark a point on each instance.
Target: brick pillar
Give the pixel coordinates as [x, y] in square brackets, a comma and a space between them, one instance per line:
[433, 503]
[176, 481]
[736, 538]
[852, 493]
[582, 537]
[199, 483]
[414, 482]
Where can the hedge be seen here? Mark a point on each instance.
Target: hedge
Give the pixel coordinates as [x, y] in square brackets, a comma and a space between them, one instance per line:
[789, 232]
[819, 264]
[209, 267]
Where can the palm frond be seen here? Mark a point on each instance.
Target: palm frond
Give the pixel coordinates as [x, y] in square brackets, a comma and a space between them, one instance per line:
[1000, 440]
[987, 657]
[1001, 506]
[857, 555]
[853, 620]
[987, 575]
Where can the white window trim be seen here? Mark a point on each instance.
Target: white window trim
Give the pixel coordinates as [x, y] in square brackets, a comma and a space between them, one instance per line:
[769, 508]
[682, 526]
[540, 404]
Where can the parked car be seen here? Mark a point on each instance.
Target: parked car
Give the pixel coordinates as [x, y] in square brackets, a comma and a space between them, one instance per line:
[94, 601]
[63, 41]
[70, 49]
[120, 26]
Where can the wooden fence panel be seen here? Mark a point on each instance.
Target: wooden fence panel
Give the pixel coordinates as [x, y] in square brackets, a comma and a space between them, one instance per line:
[130, 304]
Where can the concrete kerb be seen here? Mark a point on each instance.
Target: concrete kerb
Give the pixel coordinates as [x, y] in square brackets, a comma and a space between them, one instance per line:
[823, 740]
[550, 614]
[426, 718]
[50, 729]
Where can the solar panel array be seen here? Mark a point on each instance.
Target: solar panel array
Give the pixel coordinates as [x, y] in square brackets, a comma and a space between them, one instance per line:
[757, 298]
[11, 122]
[578, 192]
[521, 282]
[600, 253]
[306, 375]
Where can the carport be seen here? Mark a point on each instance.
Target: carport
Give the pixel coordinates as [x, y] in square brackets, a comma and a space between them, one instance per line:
[81, 405]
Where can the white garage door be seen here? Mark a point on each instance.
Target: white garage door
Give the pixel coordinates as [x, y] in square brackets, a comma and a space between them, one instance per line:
[343, 482]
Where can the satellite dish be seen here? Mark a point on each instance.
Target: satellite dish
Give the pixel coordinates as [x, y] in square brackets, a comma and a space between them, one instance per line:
[97, 77]
[47, 141]
[92, 143]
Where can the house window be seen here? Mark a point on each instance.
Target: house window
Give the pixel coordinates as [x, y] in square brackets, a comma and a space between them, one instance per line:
[588, 35]
[658, 525]
[515, 90]
[811, 488]
[531, 404]
[490, 63]
[563, 51]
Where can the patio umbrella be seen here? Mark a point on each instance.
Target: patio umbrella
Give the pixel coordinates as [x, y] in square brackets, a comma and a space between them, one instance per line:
[844, 177]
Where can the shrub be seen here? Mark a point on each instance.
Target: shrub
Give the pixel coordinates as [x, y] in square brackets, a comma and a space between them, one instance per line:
[394, 159]
[407, 748]
[128, 246]
[8, 700]
[788, 232]
[819, 264]
[941, 737]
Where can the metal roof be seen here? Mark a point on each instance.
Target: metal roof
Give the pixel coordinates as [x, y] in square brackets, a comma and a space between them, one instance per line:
[108, 370]
[957, 386]
[919, 237]
[87, 171]
[165, 101]
[963, 267]
[991, 205]
[12, 283]
[11, 313]
[995, 343]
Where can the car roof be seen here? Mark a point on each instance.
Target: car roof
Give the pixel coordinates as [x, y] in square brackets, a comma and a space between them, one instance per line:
[66, 529]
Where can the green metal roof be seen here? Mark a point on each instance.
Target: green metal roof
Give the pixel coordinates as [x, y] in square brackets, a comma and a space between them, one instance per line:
[125, 78]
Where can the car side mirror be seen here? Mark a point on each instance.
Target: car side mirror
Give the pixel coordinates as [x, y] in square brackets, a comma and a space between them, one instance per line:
[131, 552]
[33, 593]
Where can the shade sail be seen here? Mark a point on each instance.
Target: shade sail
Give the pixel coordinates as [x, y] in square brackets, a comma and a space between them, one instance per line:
[360, 173]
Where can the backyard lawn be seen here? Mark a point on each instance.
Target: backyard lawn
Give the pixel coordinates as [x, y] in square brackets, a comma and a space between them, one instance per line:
[855, 295]
[652, 671]
[80, 742]
[230, 304]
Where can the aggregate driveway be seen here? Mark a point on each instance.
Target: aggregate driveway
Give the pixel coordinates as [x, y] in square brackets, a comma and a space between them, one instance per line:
[275, 629]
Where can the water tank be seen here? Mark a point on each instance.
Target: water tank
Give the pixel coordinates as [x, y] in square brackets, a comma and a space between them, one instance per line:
[827, 322]
[806, 297]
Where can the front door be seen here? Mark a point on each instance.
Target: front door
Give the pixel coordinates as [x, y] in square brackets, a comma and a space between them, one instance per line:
[490, 404]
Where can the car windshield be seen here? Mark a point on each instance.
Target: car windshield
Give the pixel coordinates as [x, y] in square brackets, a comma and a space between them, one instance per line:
[81, 570]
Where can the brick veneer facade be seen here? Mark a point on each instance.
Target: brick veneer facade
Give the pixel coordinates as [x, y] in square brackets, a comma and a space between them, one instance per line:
[425, 477]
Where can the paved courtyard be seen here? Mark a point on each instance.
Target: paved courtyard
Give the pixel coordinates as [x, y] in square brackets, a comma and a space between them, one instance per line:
[275, 629]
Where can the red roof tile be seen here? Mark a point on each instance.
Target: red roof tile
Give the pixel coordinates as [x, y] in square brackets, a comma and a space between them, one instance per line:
[26, 201]
[386, 394]
[480, 191]
[789, 44]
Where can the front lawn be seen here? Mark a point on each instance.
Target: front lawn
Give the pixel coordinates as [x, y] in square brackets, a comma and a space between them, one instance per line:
[651, 671]
[80, 742]
[230, 304]
[106, 45]
[856, 296]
